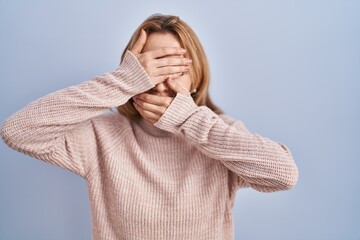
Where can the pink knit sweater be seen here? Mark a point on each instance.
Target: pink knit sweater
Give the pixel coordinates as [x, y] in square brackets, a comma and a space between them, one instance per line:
[175, 179]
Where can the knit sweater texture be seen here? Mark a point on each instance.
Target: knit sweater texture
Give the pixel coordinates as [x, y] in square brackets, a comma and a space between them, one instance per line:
[175, 179]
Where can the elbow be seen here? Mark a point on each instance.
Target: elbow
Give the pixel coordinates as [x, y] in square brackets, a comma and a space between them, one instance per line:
[4, 131]
[282, 182]
[289, 180]
[9, 134]
[293, 177]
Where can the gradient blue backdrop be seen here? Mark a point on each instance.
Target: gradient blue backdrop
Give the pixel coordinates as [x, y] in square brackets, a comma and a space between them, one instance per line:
[290, 70]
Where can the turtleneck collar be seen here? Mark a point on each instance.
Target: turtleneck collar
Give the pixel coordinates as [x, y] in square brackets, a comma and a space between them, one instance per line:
[149, 128]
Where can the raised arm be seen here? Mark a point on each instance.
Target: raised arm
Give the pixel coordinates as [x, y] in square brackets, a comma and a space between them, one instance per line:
[257, 161]
[58, 127]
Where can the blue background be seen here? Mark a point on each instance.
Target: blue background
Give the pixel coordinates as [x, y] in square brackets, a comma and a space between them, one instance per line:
[290, 70]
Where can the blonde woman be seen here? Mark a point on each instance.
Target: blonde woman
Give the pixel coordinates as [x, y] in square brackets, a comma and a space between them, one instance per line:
[168, 162]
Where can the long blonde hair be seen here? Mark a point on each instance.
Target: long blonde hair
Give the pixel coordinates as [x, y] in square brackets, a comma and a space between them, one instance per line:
[199, 72]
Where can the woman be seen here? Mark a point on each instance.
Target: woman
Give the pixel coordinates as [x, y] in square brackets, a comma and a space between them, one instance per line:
[168, 163]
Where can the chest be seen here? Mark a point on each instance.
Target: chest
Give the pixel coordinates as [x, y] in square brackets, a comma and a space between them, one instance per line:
[158, 188]
[183, 190]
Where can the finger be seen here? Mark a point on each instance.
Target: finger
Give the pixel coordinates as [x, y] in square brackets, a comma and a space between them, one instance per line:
[172, 61]
[160, 88]
[171, 70]
[150, 107]
[177, 87]
[140, 42]
[144, 98]
[162, 78]
[148, 112]
[165, 51]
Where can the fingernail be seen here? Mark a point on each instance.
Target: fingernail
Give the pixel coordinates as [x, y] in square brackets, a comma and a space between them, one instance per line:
[188, 61]
[182, 50]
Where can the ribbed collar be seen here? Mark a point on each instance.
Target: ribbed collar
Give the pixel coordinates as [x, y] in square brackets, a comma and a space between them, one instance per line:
[149, 128]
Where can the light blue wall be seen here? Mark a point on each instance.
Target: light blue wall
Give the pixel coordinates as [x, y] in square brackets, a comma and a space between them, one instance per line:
[290, 70]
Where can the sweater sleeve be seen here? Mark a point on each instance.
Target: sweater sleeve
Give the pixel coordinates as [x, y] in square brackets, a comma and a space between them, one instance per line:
[58, 128]
[256, 161]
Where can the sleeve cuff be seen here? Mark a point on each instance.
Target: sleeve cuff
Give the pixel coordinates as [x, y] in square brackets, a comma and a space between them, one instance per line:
[136, 78]
[180, 109]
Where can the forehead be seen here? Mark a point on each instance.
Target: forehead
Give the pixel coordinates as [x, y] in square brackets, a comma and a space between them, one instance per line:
[161, 39]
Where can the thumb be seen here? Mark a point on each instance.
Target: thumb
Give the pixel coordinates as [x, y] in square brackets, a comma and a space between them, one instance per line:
[176, 87]
[140, 42]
